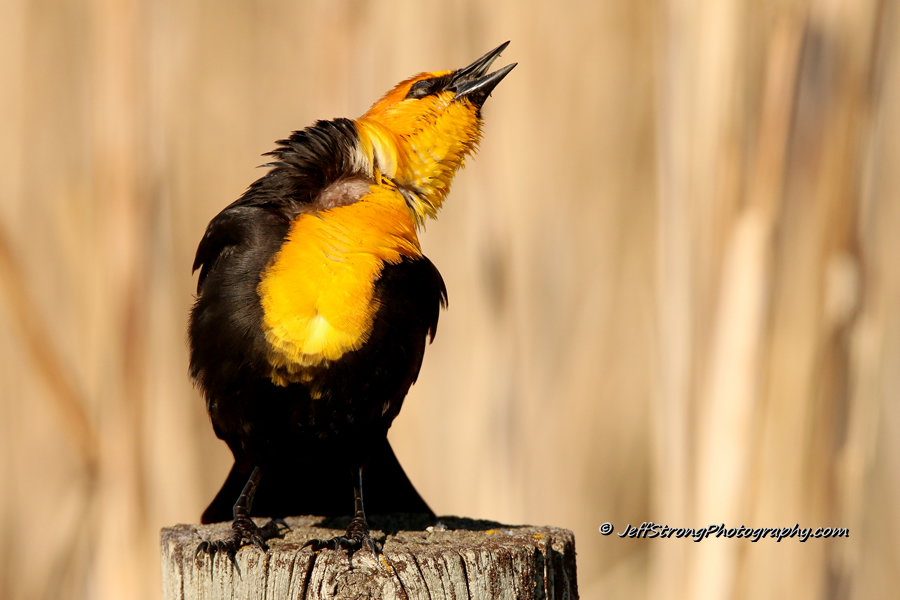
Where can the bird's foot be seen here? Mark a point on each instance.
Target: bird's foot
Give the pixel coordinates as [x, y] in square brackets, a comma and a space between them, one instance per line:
[243, 533]
[356, 538]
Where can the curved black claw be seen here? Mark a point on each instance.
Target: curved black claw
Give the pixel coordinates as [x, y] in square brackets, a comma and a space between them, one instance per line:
[356, 538]
[243, 533]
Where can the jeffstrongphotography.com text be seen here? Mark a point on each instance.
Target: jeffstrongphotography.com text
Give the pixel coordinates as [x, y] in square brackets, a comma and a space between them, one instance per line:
[651, 530]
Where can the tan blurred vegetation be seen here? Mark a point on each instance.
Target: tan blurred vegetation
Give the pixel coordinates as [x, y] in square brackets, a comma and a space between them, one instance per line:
[673, 276]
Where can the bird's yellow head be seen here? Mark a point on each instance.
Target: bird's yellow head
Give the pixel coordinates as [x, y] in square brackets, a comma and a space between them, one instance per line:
[418, 135]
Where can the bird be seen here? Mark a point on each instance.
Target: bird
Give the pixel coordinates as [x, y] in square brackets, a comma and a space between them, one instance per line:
[315, 303]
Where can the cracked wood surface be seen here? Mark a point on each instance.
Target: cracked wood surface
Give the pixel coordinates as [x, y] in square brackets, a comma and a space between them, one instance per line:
[469, 560]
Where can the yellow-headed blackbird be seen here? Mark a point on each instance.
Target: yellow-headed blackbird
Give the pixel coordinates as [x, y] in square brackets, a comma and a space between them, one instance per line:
[314, 303]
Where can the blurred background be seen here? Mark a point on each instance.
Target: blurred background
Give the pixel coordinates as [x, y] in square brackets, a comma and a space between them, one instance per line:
[673, 276]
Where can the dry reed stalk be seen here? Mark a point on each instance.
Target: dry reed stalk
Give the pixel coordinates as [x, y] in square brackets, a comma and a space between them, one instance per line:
[68, 400]
[728, 414]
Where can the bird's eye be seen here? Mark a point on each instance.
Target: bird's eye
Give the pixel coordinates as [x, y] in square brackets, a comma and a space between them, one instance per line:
[420, 89]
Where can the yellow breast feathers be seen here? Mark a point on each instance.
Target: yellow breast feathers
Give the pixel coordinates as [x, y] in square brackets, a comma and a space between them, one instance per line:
[317, 293]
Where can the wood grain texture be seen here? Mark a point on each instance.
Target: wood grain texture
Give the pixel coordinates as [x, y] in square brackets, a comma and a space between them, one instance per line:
[470, 559]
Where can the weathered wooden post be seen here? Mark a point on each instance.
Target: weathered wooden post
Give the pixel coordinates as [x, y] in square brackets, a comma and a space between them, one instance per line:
[464, 559]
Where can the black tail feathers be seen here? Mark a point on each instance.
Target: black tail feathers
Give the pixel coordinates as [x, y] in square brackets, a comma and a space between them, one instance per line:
[320, 487]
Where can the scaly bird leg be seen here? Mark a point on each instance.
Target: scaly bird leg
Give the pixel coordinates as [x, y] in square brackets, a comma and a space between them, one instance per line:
[357, 535]
[244, 530]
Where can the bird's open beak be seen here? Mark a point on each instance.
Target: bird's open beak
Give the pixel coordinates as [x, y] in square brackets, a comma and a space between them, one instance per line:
[472, 83]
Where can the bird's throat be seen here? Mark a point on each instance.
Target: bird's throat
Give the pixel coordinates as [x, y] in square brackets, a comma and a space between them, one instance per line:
[422, 164]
